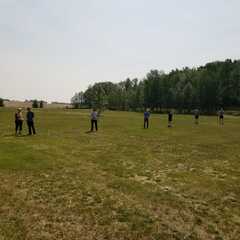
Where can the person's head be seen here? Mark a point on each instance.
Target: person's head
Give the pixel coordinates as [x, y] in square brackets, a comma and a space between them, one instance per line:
[94, 109]
[29, 109]
[19, 110]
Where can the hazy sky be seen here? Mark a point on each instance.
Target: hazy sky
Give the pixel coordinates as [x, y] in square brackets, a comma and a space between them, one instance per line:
[50, 49]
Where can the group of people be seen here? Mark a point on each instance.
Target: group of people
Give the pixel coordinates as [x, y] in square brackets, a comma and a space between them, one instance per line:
[146, 116]
[19, 120]
[196, 113]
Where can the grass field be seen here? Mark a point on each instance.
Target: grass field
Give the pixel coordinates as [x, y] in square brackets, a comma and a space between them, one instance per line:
[122, 182]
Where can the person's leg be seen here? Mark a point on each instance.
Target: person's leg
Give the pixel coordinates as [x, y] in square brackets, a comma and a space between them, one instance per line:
[29, 128]
[16, 127]
[144, 123]
[92, 125]
[33, 128]
[169, 123]
[147, 123]
[20, 127]
[96, 126]
[196, 120]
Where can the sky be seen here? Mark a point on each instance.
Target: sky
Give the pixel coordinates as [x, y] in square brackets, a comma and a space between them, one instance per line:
[50, 49]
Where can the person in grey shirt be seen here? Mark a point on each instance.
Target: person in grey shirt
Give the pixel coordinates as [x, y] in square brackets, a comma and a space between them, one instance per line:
[94, 118]
[221, 116]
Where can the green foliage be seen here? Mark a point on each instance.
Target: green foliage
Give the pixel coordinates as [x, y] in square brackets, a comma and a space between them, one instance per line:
[76, 105]
[1, 102]
[41, 104]
[209, 87]
[35, 104]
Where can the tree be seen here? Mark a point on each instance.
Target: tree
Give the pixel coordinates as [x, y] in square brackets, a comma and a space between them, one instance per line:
[1, 102]
[188, 96]
[35, 103]
[206, 87]
[41, 104]
[78, 100]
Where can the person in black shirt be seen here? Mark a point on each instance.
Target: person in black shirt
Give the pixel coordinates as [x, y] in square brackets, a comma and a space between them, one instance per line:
[170, 118]
[196, 115]
[30, 122]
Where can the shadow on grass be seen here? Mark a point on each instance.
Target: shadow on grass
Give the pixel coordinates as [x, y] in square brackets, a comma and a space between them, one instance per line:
[14, 135]
[89, 132]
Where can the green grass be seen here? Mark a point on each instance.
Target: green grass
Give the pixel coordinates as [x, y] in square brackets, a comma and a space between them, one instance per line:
[122, 182]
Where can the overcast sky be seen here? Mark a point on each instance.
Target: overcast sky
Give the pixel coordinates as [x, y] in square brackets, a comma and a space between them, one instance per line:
[50, 49]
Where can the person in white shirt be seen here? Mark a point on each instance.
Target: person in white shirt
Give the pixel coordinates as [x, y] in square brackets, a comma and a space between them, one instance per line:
[94, 118]
[18, 121]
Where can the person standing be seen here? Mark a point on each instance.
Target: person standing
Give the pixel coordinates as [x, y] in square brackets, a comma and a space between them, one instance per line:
[146, 118]
[18, 121]
[30, 122]
[221, 116]
[196, 115]
[94, 118]
[170, 118]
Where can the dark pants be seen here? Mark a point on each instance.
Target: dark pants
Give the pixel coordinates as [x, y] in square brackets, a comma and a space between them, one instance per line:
[18, 126]
[196, 119]
[31, 128]
[221, 119]
[94, 122]
[146, 122]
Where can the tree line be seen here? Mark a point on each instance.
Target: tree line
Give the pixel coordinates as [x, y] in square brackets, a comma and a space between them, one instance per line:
[35, 103]
[209, 87]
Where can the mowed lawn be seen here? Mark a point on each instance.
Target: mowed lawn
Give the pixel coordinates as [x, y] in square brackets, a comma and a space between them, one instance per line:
[122, 182]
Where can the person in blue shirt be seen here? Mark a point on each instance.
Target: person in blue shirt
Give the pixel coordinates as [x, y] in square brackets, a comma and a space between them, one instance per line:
[30, 122]
[146, 118]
